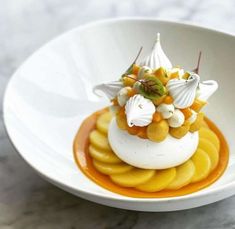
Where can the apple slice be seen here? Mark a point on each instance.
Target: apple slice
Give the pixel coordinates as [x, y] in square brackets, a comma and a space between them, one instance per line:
[133, 178]
[202, 165]
[103, 121]
[103, 155]
[211, 136]
[184, 174]
[159, 181]
[211, 150]
[110, 169]
[99, 140]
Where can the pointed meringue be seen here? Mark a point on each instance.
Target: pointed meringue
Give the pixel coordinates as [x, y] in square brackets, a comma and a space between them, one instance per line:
[157, 57]
[139, 111]
[206, 89]
[110, 89]
[183, 91]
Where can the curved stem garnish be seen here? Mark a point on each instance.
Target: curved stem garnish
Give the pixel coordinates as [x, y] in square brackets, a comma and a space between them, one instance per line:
[196, 70]
[141, 48]
[128, 71]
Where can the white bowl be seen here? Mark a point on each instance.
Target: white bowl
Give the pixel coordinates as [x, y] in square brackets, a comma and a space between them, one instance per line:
[51, 93]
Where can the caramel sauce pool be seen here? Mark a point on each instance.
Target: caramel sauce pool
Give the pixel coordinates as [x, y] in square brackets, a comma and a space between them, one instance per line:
[84, 162]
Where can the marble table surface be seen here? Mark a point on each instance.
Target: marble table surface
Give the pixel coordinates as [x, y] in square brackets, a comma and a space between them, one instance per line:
[27, 201]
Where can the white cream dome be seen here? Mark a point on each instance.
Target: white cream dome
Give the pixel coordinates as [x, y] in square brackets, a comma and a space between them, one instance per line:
[143, 153]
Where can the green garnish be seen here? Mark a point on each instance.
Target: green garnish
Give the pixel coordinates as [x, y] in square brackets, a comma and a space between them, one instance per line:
[151, 87]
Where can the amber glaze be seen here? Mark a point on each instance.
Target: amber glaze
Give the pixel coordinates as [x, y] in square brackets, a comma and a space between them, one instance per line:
[84, 162]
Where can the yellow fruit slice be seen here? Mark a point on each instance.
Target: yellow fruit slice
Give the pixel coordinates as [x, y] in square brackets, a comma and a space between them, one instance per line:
[133, 178]
[99, 140]
[211, 136]
[204, 124]
[103, 121]
[210, 149]
[202, 165]
[103, 155]
[184, 174]
[179, 132]
[159, 181]
[109, 169]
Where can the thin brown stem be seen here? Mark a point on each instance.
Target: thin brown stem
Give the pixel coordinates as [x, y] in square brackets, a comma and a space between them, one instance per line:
[196, 70]
[141, 48]
[130, 68]
[132, 78]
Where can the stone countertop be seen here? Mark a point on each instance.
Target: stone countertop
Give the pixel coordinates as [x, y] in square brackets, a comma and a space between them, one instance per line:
[27, 201]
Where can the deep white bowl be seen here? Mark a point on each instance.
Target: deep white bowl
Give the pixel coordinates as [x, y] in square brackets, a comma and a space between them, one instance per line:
[51, 93]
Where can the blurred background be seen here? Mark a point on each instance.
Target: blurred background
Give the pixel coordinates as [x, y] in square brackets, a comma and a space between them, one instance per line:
[27, 201]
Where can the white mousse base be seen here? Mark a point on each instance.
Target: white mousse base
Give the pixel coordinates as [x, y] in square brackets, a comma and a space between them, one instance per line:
[143, 153]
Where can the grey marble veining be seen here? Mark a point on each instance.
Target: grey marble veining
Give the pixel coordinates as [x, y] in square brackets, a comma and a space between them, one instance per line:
[27, 201]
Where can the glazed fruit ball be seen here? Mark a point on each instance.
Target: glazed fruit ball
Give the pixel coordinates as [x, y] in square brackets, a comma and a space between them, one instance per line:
[181, 131]
[157, 131]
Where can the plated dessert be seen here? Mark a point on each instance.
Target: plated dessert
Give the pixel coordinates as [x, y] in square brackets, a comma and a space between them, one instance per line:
[153, 140]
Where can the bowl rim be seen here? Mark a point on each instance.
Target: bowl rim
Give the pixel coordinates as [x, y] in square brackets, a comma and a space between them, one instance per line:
[185, 24]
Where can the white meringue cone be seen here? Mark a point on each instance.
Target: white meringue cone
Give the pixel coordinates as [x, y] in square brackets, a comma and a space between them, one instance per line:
[139, 111]
[110, 89]
[157, 58]
[206, 89]
[183, 91]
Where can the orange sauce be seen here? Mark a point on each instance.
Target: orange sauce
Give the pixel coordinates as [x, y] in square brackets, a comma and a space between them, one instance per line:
[84, 162]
